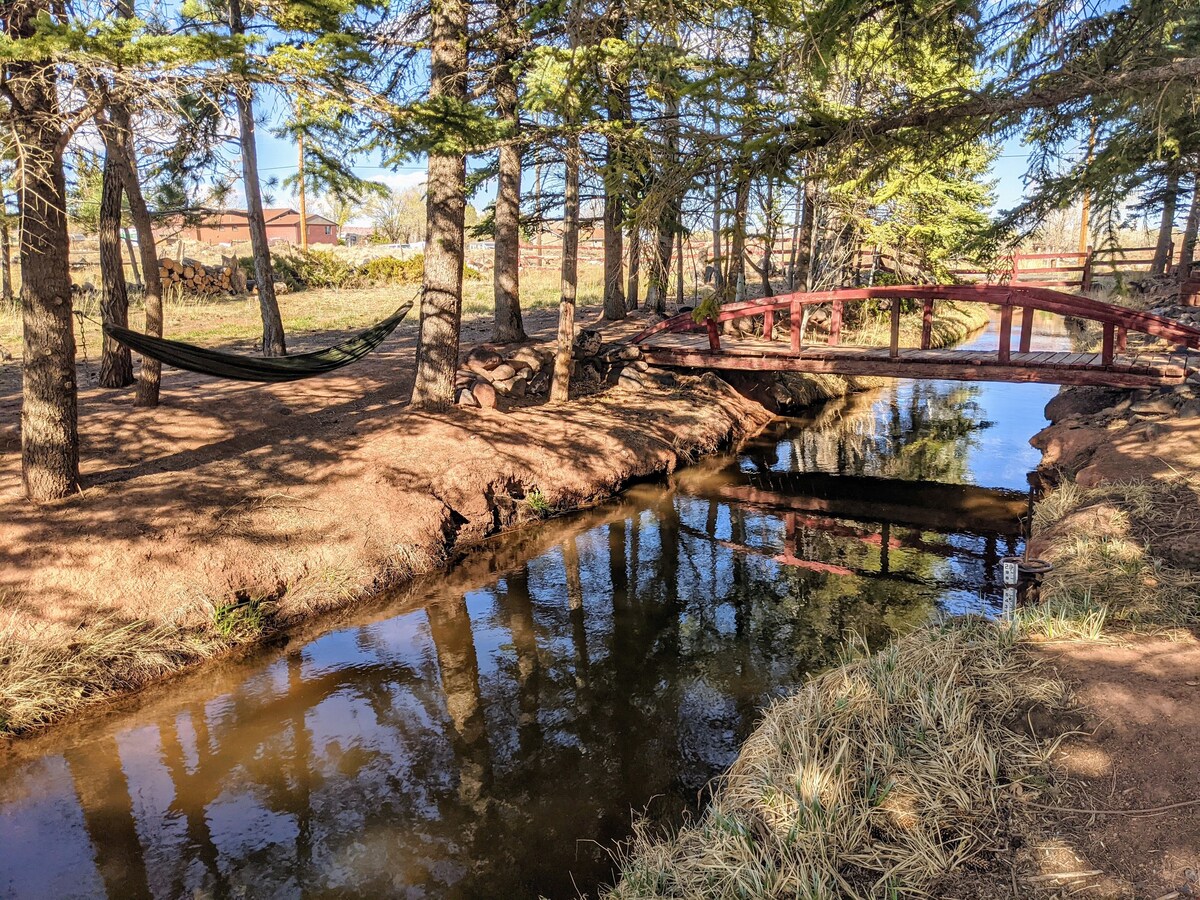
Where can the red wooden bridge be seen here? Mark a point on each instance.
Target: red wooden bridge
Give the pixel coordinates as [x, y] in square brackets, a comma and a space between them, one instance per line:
[681, 342]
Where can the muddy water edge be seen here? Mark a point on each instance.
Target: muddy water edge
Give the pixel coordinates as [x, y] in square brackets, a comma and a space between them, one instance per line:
[493, 731]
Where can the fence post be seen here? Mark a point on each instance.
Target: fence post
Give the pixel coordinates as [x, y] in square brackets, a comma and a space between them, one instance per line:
[927, 323]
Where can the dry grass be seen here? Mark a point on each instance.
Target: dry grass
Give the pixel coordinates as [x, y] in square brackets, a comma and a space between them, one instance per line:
[1108, 572]
[45, 680]
[875, 780]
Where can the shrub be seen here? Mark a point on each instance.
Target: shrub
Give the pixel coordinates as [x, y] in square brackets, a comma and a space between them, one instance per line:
[390, 270]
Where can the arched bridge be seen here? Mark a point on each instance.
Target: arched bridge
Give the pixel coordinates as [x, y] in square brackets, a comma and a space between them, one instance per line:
[681, 342]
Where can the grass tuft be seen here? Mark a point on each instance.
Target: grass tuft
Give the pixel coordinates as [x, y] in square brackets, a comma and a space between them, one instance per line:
[875, 780]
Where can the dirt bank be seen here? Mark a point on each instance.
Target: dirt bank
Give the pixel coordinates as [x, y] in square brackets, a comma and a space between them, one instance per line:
[292, 500]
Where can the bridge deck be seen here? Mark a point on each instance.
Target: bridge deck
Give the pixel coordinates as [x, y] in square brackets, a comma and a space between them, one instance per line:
[691, 350]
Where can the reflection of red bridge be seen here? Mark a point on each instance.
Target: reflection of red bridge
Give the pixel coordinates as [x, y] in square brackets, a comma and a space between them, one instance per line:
[681, 342]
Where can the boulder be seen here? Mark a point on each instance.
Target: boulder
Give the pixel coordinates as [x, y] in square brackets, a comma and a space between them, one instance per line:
[466, 398]
[529, 356]
[511, 387]
[630, 351]
[1082, 401]
[483, 358]
[1156, 406]
[630, 381]
[503, 372]
[1189, 410]
[485, 394]
[588, 342]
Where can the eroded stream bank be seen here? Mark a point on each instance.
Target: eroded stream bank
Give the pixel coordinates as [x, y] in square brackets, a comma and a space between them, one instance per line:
[489, 731]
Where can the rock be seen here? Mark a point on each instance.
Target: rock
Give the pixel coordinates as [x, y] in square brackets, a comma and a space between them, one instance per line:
[503, 372]
[281, 287]
[539, 383]
[588, 342]
[485, 394]
[630, 351]
[529, 356]
[466, 398]
[463, 379]
[659, 378]
[511, 387]
[639, 365]
[1152, 431]
[483, 358]
[1082, 401]
[630, 381]
[1189, 410]
[519, 366]
[1157, 406]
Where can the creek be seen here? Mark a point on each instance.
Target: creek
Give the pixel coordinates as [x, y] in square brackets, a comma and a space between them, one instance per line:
[495, 730]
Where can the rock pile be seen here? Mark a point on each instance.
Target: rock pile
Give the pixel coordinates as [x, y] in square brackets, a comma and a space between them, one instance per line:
[197, 278]
[486, 375]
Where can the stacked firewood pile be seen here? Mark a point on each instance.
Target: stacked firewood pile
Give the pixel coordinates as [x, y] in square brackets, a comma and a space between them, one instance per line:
[196, 278]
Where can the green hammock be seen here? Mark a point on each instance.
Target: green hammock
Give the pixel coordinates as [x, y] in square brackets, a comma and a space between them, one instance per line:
[259, 368]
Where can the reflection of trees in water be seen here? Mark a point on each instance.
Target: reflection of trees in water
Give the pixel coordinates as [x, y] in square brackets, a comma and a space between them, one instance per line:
[922, 430]
[632, 661]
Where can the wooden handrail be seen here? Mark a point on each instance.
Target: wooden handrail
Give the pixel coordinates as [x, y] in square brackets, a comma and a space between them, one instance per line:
[1005, 296]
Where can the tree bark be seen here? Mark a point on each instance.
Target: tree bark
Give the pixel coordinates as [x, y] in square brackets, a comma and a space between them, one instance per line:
[508, 324]
[635, 267]
[116, 362]
[737, 252]
[446, 191]
[1161, 263]
[614, 213]
[1187, 252]
[49, 425]
[6, 285]
[560, 387]
[679, 293]
[273, 340]
[808, 219]
[133, 263]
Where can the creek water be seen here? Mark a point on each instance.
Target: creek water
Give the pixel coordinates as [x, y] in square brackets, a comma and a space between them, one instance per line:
[493, 731]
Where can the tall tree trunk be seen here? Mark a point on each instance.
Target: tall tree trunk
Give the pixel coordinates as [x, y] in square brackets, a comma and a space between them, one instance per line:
[6, 285]
[446, 191]
[679, 296]
[116, 362]
[614, 178]
[301, 194]
[737, 251]
[1161, 263]
[635, 267]
[770, 227]
[272, 341]
[1187, 252]
[560, 387]
[49, 425]
[117, 131]
[808, 219]
[508, 325]
[668, 220]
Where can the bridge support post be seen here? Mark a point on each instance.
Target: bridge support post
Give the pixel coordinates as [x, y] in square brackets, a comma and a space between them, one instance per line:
[894, 349]
[795, 311]
[1026, 328]
[1106, 355]
[927, 323]
[714, 336]
[768, 324]
[835, 324]
[1005, 351]
[1122, 339]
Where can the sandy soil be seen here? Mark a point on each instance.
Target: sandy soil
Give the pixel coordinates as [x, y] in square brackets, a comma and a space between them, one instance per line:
[1134, 747]
[314, 492]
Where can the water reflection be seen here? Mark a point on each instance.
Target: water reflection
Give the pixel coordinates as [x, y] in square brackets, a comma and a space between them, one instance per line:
[491, 731]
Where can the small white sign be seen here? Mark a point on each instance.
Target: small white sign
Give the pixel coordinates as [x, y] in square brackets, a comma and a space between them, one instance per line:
[1012, 572]
[1009, 606]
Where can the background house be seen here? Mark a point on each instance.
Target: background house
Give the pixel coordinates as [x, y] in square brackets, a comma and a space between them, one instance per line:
[282, 224]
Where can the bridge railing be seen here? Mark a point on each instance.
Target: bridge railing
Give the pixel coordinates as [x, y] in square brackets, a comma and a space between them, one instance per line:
[1116, 321]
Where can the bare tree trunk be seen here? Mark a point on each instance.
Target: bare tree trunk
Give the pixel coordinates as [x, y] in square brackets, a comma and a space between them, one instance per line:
[1187, 252]
[273, 341]
[635, 268]
[737, 252]
[6, 285]
[808, 219]
[301, 194]
[49, 424]
[793, 256]
[508, 325]
[441, 297]
[679, 298]
[614, 214]
[116, 362]
[660, 265]
[1161, 263]
[769, 221]
[560, 387]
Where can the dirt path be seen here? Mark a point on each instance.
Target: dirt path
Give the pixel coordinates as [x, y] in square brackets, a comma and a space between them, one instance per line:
[1137, 746]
